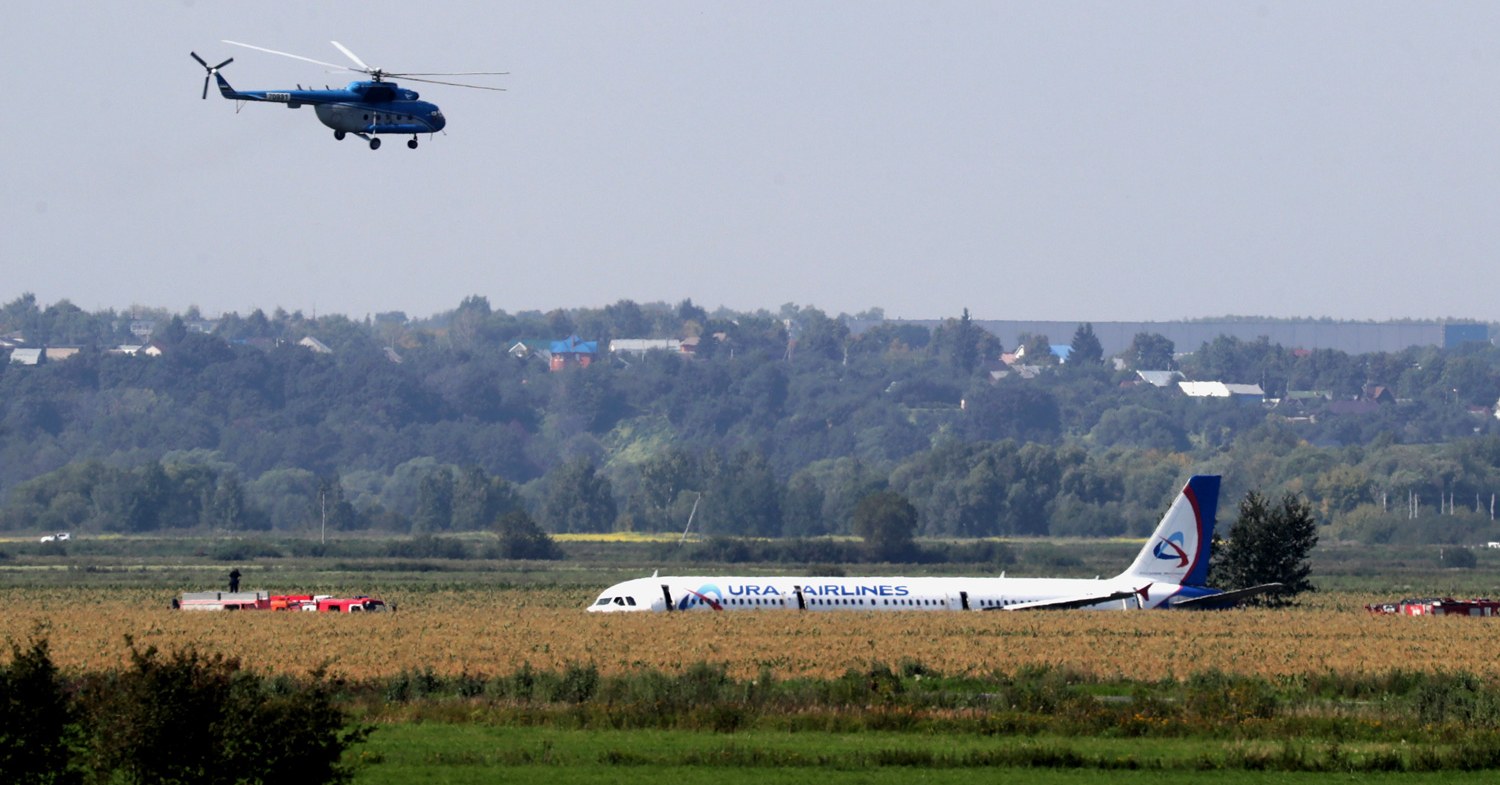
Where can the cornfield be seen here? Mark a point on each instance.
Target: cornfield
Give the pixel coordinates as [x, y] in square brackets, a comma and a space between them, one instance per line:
[497, 631]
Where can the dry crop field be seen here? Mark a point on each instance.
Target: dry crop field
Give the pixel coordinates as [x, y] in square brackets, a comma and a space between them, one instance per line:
[494, 632]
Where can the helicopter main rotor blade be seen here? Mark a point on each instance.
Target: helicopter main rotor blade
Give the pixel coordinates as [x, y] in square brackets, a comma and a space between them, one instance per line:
[200, 60]
[352, 56]
[205, 87]
[453, 73]
[289, 54]
[410, 78]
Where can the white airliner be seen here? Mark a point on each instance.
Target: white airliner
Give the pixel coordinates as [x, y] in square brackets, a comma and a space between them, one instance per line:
[1170, 572]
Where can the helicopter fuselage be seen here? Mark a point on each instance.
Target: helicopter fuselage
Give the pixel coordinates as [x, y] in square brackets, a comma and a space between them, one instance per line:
[362, 108]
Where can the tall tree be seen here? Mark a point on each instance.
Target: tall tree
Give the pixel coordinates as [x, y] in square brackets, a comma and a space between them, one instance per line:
[331, 511]
[227, 509]
[1085, 350]
[1150, 352]
[434, 502]
[479, 499]
[887, 522]
[744, 498]
[965, 346]
[1036, 349]
[1267, 544]
[579, 499]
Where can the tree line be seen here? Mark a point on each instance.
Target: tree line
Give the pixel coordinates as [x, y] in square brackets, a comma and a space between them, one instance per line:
[781, 424]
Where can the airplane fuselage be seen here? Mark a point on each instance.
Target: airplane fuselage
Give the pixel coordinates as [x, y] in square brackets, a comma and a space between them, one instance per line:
[735, 593]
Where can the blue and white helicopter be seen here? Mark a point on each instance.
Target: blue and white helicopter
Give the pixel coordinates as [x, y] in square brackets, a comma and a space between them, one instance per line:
[363, 108]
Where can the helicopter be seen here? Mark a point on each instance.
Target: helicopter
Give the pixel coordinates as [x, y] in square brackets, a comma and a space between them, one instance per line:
[363, 108]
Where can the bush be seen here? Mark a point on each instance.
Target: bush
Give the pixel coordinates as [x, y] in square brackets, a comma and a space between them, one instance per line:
[38, 722]
[189, 717]
[427, 547]
[521, 538]
[244, 550]
[1458, 557]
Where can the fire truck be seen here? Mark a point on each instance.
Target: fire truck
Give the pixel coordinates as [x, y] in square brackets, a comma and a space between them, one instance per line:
[359, 604]
[1438, 606]
[224, 601]
[265, 601]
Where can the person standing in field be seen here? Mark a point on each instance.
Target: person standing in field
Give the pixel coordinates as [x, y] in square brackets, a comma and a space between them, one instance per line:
[234, 580]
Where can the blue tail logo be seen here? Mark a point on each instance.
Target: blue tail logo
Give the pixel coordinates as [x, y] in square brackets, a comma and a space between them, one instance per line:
[1171, 548]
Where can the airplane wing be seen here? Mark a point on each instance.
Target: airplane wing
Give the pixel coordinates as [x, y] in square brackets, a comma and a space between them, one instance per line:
[1225, 597]
[1066, 603]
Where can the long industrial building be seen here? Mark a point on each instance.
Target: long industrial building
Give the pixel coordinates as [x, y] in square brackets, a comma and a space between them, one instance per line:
[1351, 337]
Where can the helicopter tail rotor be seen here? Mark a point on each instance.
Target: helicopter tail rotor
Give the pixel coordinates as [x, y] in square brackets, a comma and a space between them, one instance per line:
[209, 70]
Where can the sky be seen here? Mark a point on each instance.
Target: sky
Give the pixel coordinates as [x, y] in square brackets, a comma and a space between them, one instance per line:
[1039, 160]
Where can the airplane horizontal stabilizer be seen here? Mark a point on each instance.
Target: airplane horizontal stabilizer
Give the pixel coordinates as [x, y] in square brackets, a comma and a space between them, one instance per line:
[1225, 597]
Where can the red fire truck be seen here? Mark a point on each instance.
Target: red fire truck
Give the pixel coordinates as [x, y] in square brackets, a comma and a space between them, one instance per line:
[265, 601]
[1438, 606]
[359, 604]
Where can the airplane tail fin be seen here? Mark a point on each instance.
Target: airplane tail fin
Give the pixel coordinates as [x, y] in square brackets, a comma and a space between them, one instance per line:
[1177, 552]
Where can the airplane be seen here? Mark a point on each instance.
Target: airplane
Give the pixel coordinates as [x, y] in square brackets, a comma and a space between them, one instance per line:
[363, 108]
[1169, 572]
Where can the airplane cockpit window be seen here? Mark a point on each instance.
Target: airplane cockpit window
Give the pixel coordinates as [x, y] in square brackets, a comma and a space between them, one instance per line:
[619, 600]
[603, 601]
[630, 601]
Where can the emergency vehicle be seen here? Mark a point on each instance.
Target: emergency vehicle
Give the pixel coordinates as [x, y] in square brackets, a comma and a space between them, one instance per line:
[1438, 606]
[265, 601]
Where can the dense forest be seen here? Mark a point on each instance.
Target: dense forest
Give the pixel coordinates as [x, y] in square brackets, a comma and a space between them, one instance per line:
[775, 424]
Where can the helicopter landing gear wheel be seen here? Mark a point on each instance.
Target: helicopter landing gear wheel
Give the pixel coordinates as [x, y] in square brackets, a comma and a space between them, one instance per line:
[339, 135]
[412, 143]
[375, 143]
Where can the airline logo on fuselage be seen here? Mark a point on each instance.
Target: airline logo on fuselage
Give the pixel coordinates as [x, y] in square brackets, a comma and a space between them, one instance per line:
[708, 594]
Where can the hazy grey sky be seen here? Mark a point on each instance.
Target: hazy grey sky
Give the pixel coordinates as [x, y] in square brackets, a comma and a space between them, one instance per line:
[1048, 160]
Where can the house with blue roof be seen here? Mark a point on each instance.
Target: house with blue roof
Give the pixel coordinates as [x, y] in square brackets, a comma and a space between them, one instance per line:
[572, 351]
